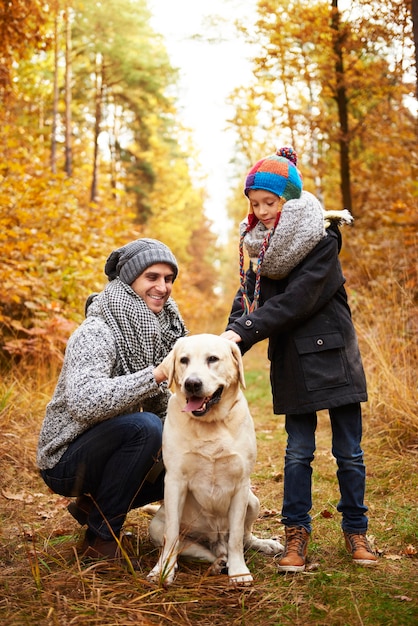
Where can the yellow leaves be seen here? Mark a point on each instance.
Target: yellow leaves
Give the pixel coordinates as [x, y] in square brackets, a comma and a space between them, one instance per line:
[54, 250]
[55, 242]
[55, 245]
[13, 297]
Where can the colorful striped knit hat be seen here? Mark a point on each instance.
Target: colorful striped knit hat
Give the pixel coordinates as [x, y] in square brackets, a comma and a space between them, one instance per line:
[278, 174]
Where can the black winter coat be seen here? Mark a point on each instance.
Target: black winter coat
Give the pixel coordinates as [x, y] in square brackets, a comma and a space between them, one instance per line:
[313, 349]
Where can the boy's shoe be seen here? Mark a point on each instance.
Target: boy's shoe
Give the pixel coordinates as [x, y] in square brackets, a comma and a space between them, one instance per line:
[358, 546]
[80, 508]
[293, 558]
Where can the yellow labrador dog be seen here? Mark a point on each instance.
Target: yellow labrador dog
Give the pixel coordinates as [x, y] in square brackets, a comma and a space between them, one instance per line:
[209, 450]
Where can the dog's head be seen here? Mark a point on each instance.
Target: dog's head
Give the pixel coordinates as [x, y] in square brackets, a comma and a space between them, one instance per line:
[204, 368]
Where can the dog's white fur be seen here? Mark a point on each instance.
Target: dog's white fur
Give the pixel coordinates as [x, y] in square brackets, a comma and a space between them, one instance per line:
[209, 508]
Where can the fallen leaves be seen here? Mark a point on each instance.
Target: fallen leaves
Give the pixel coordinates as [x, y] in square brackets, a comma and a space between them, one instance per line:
[48, 506]
[268, 513]
[392, 557]
[410, 550]
[20, 496]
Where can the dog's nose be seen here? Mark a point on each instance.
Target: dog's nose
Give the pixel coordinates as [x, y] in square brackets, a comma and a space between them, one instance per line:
[193, 385]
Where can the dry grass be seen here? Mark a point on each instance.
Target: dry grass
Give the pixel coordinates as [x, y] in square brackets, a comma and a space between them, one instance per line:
[383, 278]
[390, 349]
[44, 583]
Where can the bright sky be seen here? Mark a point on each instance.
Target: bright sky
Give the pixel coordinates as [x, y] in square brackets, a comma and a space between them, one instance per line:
[208, 74]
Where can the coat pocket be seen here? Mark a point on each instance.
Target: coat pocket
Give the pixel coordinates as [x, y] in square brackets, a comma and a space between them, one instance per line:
[322, 359]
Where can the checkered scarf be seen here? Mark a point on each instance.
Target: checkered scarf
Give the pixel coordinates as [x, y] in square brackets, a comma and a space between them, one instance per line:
[142, 337]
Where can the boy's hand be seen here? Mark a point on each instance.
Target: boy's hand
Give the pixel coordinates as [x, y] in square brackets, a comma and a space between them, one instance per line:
[231, 335]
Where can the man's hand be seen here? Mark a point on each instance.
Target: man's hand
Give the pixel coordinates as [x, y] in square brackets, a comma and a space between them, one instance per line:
[160, 373]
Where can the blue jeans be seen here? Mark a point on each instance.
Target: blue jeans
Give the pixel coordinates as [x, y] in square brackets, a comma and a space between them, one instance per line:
[346, 427]
[110, 462]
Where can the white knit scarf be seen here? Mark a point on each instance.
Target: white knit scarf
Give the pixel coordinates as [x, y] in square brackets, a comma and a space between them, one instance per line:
[300, 228]
[142, 337]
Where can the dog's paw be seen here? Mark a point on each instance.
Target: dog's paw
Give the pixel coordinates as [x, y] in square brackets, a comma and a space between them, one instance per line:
[266, 546]
[241, 580]
[162, 577]
[220, 566]
[154, 576]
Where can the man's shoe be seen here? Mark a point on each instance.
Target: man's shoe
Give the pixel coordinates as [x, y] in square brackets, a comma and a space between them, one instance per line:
[95, 547]
[106, 550]
[360, 549]
[80, 508]
[293, 558]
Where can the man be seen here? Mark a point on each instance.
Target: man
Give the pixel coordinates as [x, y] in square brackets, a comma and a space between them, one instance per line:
[102, 430]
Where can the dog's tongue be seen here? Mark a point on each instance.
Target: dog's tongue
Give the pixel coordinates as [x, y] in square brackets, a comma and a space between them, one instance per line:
[194, 404]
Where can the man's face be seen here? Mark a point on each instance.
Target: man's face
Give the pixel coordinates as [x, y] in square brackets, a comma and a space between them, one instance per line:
[154, 285]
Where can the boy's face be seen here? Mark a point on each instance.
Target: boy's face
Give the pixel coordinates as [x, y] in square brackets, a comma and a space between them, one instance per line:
[154, 285]
[265, 206]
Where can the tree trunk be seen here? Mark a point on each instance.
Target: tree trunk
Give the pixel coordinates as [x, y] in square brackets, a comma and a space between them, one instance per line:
[55, 101]
[341, 99]
[114, 153]
[97, 124]
[68, 77]
[415, 30]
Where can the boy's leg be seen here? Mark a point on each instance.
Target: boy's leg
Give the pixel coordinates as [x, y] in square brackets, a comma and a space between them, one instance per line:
[346, 426]
[297, 500]
[346, 423]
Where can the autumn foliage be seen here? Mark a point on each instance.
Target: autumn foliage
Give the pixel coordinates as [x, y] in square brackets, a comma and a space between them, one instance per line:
[55, 232]
[93, 156]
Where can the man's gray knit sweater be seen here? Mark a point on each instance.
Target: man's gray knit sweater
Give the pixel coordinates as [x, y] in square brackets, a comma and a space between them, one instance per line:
[91, 389]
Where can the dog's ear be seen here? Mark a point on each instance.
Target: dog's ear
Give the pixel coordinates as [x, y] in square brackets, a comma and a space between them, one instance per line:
[237, 356]
[168, 365]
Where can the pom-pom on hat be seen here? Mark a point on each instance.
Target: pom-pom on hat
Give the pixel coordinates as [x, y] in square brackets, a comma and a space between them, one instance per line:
[276, 173]
[132, 259]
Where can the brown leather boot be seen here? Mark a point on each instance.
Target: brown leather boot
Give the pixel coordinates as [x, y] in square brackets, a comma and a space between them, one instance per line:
[293, 558]
[98, 548]
[106, 550]
[358, 546]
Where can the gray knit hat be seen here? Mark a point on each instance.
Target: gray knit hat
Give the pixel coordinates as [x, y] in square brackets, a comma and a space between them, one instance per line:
[131, 260]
